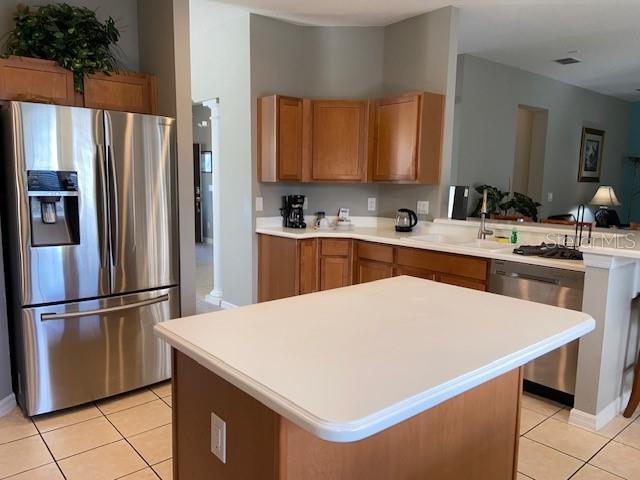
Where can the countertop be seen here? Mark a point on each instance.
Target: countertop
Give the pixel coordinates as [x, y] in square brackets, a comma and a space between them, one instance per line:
[386, 234]
[345, 364]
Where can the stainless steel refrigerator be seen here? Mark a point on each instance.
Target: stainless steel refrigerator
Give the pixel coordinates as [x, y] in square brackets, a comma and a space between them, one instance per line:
[91, 235]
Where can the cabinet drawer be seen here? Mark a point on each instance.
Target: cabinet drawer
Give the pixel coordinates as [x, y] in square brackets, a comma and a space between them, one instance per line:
[369, 271]
[462, 282]
[416, 272]
[458, 265]
[335, 247]
[375, 251]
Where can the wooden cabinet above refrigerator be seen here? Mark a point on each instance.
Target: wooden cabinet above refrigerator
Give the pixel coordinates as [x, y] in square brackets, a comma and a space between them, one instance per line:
[393, 140]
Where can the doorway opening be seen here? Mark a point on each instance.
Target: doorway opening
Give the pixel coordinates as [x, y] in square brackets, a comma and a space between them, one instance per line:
[205, 136]
[531, 143]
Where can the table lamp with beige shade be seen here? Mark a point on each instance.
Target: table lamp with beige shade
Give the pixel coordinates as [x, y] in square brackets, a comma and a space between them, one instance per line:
[605, 197]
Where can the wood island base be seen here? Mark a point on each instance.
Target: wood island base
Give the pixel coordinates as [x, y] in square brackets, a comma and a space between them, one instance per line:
[473, 436]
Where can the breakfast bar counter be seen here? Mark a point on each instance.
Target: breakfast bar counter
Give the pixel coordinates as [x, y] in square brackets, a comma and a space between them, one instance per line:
[399, 378]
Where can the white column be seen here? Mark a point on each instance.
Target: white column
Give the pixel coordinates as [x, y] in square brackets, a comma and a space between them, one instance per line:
[215, 296]
[607, 354]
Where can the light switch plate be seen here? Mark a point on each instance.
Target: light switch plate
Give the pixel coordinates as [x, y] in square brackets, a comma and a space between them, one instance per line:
[550, 197]
[372, 204]
[219, 437]
[259, 204]
[423, 207]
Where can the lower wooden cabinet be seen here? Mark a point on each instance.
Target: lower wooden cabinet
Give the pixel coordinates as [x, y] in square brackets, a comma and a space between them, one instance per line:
[335, 263]
[308, 259]
[369, 271]
[288, 267]
[335, 272]
[278, 268]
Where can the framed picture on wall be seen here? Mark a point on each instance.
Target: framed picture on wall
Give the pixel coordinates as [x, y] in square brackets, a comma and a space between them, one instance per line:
[591, 148]
[205, 162]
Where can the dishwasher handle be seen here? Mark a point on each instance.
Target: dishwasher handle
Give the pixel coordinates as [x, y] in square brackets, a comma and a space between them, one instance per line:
[528, 277]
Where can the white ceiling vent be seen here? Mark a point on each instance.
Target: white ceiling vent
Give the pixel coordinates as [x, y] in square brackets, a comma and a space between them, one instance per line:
[567, 60]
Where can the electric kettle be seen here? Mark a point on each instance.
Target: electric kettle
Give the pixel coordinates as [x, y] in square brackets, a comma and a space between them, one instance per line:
[405, 220]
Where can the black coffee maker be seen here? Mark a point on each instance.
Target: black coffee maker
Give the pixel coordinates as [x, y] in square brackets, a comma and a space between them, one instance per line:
[291, 211]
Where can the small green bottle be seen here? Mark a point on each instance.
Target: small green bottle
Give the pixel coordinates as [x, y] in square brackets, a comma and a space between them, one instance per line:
[514, 235]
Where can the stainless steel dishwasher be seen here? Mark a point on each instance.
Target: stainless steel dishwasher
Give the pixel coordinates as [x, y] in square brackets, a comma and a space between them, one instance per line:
[552, 286]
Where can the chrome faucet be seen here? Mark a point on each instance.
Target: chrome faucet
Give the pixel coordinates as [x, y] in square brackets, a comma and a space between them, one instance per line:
[482, 231]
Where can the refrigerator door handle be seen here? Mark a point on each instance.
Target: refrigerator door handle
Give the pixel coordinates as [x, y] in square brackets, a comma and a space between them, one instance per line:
[114, 208]
[100, 311]
[103, 212]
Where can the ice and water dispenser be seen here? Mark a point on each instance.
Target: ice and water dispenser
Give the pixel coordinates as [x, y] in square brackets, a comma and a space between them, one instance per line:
[53, 203]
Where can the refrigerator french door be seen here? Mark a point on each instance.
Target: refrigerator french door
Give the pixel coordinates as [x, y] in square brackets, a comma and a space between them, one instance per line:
[91, 230]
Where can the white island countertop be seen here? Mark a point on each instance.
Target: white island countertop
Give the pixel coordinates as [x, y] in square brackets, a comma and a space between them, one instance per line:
[345, 364]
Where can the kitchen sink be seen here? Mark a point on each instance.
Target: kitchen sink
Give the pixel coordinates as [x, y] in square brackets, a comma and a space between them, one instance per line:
[434, 238]
[488, 245]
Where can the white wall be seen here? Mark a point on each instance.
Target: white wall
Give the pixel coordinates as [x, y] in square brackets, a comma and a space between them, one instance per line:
[488, 96]
[316, 62]
[420, 54]
[124, 12]
[238, 57]
[221, 68]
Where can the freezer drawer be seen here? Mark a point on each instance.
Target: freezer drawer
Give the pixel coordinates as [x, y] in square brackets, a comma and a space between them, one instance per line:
[78, 352]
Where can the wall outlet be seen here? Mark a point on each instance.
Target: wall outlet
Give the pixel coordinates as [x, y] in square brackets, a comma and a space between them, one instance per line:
[259, 204]
[423, 207]
[550, 197]
[372, 204]
[219, 437]
[305, 205]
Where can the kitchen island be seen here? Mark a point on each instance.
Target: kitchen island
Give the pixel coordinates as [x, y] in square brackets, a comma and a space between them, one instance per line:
[400, 378]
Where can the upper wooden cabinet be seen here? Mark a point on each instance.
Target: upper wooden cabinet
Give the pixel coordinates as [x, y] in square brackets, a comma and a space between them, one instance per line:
[397, 139]
[280, 124]
[407, 139]
[338, 140]
[35, 80]
[124, 92]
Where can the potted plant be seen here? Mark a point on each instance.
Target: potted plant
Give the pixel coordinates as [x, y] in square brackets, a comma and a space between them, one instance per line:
[69, 35]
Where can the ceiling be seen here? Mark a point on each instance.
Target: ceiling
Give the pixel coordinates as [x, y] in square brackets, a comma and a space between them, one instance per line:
[527, 34]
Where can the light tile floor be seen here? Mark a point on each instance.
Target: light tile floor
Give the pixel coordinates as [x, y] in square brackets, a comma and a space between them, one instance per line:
[126, 437]
[129, 437]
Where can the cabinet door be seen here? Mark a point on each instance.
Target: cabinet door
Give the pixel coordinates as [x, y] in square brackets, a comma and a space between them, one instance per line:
[126, 92]
[289, 148]
[396, 136]
[339, 137]
[368, 271]
[278, 268]
[335, 272]
[308, 266]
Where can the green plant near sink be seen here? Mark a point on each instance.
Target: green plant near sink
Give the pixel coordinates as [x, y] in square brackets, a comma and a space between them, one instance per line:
[495, 196]
[518, 203]
[72, 36]
[522, 204]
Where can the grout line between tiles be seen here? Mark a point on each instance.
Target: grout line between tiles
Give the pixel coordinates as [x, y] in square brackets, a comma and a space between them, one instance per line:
[131, 473]
[18, 439]
[129, 408]
[134, 448]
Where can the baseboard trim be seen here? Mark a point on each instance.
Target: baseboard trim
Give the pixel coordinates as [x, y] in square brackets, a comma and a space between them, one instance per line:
[227, 305]
[7, 404]
[604, 416]
[214, 297]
